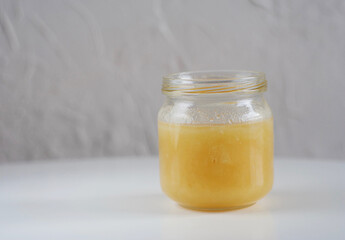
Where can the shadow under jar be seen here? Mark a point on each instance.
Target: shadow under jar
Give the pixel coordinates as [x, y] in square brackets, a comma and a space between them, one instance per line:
[215, 139]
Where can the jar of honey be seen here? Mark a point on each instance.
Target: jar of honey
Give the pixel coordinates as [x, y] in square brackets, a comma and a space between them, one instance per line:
[215, 139]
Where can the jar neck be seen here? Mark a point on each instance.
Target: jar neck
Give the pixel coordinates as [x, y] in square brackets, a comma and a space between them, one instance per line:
[214, 83]
[215, 98]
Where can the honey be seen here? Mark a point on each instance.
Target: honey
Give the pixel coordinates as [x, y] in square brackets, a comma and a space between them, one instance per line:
[216, 166]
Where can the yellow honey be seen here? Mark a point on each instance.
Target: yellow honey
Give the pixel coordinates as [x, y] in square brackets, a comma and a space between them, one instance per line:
[217, 166]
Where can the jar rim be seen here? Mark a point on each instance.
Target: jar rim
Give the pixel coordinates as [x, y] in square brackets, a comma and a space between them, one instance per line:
[214, 81]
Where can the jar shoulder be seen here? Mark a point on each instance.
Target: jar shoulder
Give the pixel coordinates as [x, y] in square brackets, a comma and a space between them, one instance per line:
[194, 112]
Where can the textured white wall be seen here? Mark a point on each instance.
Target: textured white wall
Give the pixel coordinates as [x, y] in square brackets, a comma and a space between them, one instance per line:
[83, 78]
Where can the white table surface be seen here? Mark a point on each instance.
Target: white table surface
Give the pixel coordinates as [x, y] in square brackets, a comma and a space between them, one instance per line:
[121, 199]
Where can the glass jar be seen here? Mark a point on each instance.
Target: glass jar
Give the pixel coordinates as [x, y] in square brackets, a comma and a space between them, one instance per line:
[215, 139]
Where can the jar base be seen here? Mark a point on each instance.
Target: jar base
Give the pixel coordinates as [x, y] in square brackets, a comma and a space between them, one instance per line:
[222, 209]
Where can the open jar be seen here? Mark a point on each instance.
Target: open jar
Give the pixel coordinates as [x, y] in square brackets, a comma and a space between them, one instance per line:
[215, 139]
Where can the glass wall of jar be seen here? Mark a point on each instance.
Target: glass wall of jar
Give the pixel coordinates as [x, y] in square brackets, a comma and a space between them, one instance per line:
[215, 139]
